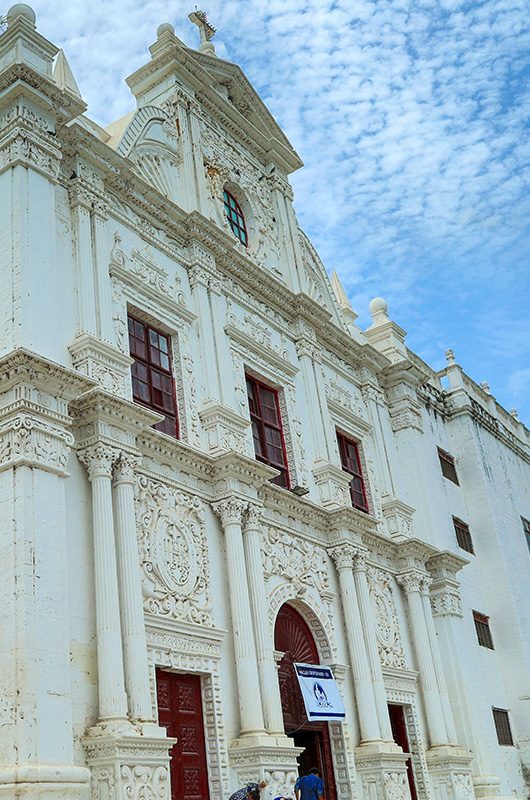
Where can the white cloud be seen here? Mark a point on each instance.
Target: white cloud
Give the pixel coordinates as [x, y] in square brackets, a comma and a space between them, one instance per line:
[412, 119]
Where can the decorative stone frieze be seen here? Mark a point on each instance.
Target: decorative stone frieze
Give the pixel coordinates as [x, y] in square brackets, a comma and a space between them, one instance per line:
[173, 552]
[383, 776]
[398, 516]
[128, 767]
[26, 440]
[333, 484]
[31, 150]
[301, 562]
[278, 766]
[226, 430]
[445, 588]
[103, 363]
[388, 634]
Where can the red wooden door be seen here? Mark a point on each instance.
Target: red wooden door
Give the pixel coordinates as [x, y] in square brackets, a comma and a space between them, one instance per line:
[399, 731]
[180, 712]
[293, 637]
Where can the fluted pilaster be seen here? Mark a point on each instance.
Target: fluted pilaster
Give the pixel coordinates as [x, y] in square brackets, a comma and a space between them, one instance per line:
[368, 626]
[437, 660]
[411, 583]
[268, 676]
[131, 600]
[343, 555]
[99, 460]
[231, 511]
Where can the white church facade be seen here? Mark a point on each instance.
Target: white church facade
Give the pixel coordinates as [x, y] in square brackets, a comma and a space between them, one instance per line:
[209, 472]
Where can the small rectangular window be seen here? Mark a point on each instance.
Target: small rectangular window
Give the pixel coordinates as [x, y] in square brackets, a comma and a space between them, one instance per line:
[152, 379]
[351, 462]
[482, 626]
[447, 464]
[463, 535]
[526, 528]
[267, 429]
[502, 726]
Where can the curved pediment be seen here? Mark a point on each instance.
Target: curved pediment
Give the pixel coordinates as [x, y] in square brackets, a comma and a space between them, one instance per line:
[317, 283]
[150, 140]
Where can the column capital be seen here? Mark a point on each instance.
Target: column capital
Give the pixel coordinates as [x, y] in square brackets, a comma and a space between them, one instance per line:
[125, 468]
[425, 585]
[411, 581]
[342, 555]
[99, 460]
[230, 510]
[253, 515]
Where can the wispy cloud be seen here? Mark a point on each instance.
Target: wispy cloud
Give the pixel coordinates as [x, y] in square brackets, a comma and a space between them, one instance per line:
[412, 120]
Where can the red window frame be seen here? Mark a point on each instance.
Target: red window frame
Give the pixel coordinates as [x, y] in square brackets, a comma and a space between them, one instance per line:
[266, 422]
[482, 627]
[351, 462]
[463, 535]
[235, 217]
[501, 718]
[152, 377]
[447, 465]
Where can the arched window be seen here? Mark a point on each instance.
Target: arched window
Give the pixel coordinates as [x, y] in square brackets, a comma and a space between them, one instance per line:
[235, 217]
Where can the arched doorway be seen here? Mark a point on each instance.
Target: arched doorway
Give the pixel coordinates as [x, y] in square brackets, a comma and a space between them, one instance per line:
[294, 639]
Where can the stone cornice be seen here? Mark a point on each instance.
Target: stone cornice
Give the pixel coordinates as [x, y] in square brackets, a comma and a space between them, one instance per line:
[20, 79]
[178, 455]
[101, 417]
[24, 366]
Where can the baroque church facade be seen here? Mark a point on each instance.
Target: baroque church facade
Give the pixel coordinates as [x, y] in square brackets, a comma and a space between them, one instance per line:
[208, 473]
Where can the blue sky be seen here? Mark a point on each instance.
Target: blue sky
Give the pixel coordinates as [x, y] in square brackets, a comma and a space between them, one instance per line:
[413, 120]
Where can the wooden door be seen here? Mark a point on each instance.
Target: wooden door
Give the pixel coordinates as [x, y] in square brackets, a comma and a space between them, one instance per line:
[399, 731]
[293, 638]
[180, 712]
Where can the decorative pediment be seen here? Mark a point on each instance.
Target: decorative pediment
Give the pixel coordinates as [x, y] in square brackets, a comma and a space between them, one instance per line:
[317, 283]
[231, 84]
[150, 140]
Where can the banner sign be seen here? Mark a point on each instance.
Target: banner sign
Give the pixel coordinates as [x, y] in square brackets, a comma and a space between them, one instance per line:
[321, 695]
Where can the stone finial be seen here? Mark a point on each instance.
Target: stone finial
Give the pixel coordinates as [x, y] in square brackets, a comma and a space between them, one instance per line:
[514, 413]
[207, 31]
[63, 75]
[378, 308]
[484, 385]
[450, 357]
[21, 10]
[343, 300]
[165, 27]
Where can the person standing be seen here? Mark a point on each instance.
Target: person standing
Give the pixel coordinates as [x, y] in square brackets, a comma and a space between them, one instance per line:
[310, 787]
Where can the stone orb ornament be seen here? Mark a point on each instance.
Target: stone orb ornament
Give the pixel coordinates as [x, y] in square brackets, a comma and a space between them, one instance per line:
[165, 27]
[21, 10]
[377, 305]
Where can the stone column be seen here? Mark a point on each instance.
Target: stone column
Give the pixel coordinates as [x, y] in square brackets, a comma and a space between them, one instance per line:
[112, 698]
[343, 555]
[368, 626]
[131, 600]
[268, 676]
[230, 511]
[199, 282]
[411, 582]
[438, 666]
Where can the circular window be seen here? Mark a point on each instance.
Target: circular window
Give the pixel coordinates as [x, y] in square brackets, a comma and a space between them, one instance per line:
[235, 217]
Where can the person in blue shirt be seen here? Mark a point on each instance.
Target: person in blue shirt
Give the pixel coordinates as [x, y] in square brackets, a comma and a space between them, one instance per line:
[310, 787]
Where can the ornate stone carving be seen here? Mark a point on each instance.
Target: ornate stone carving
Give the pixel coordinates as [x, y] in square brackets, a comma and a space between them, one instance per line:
[128, 768]
[36, 151]
[343, 555]
[230, 510]
[301, 562]
[99, 460]
[388, 635]
[144, 782]
[447, 603]
[411, 581]
[173, 552]
[27, 440]
[125, 468]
